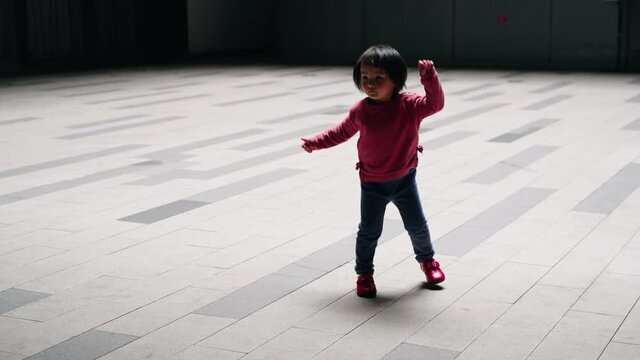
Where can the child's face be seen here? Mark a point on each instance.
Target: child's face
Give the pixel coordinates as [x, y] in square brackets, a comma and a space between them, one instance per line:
[375, 82]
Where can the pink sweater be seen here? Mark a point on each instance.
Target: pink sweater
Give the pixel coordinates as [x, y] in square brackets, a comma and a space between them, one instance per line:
[388, 143]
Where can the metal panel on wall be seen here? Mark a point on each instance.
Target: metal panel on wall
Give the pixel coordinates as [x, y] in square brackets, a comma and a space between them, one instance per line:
[226, 25]
[633, 55]
[54, 29]
[110, 29]
[320, 31]
[502, 33]
[584, 34]
[8, 31]
[417, 28]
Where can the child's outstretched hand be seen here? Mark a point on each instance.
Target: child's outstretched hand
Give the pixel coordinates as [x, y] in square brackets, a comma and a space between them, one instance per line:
[306, 147]
[425, 67]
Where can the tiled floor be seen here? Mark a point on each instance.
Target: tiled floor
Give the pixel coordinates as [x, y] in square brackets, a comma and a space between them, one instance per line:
[170, 213]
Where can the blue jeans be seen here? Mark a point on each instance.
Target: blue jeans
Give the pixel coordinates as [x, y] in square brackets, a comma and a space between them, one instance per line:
[374, 198]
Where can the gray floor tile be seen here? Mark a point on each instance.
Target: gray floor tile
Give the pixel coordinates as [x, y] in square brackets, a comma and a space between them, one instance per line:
[246, 74]
[303, 72]
[17, 121]
[176, 86]
[107, 121]
[17, 82]
[253, 297]
[164, 212]
[447, 139]
[208, 197]
[547, 102]
[14, 298]
[241, 86]
[272, 287]
[148, 163]
[301, 272]
[530, 155]
[326, 83]
[232, 189]
[163, 101]
[69, 160]
[131, 97]
[120, 127]
[335, 110]
[530, 130]
[161, 154]
[493, 174]
[481, 227]
[523, 131]
[94, 92]
[635, 99]
[508, 166]
[220, 170]
[483, 96]
[281, 137]
[634, 125]
[63, 185]
[9, 199]
[496, 217]
[330, 257]
[329, 96]
[418, 352]
[462, 239]
[84, 195]
[473, 88]
[621, 351]
[463, 115]
[539, 123]
[254, 99]
[610, 194]
[86, 346]
[10, 356]
[506, 138]
[155, 179]
[89, 84]
[551, 87]
[332, 110]
[524, 198]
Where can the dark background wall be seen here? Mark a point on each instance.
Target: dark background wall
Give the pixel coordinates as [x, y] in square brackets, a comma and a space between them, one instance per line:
[633, 56]
[49, 35]
[224, 26]
[529, 34]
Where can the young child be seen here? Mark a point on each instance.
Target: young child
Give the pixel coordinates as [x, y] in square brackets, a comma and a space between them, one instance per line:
[388, 121]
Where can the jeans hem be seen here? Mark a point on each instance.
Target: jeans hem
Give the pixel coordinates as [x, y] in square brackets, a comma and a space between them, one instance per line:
[424, 258]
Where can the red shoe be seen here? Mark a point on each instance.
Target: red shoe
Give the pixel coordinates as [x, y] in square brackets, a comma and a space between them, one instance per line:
[431, 269]
[365, 287]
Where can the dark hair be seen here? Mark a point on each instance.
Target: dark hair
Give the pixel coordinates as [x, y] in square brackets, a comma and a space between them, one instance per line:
[386, 58]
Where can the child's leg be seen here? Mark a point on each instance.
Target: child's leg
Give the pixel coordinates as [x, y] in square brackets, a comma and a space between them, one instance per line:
[372, 208]
[408, 202]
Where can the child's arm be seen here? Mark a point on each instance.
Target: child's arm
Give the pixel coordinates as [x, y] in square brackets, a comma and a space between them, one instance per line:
[433, 101]
[332, 137]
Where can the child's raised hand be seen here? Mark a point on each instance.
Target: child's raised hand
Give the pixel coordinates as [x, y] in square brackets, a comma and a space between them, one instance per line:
[306, 147]
[425, 67]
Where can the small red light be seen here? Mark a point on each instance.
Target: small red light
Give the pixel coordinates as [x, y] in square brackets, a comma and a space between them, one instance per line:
[503, 19]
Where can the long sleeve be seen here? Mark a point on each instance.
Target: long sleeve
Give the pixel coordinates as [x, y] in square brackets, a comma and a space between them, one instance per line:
[336, 135]
[432, 101]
